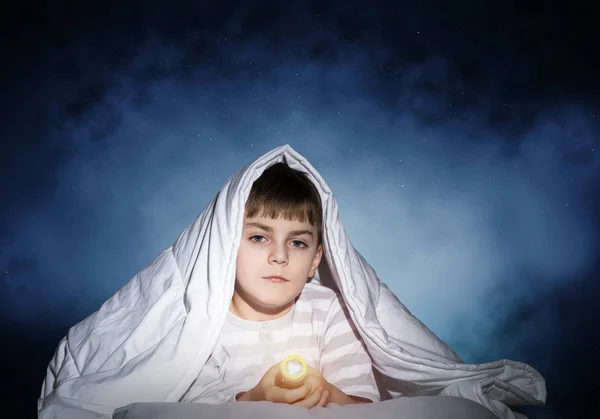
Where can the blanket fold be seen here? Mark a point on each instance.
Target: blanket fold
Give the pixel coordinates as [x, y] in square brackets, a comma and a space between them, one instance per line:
[151, 339]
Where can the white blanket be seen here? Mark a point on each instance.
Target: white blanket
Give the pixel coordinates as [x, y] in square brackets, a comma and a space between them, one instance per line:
[430, 407]
[151, 339]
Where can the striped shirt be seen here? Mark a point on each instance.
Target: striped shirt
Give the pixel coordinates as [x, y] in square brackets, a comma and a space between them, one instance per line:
[316, 328]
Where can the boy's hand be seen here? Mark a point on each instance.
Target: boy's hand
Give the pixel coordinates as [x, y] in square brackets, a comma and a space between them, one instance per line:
[320, 389]
[313, 392]
[267, 390]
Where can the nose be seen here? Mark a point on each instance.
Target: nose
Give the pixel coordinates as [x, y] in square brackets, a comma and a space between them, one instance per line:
[278, 255]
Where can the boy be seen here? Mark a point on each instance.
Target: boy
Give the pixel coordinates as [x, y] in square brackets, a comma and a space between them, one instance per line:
[275, 312]
[196, 326]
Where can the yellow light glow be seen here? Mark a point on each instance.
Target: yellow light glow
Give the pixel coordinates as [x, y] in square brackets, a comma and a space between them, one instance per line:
[293, 369]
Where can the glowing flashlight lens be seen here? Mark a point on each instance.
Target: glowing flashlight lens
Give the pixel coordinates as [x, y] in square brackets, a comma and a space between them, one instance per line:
[293, 367]
[293, 371]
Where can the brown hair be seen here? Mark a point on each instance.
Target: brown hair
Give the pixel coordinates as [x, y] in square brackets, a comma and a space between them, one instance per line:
[284, 192]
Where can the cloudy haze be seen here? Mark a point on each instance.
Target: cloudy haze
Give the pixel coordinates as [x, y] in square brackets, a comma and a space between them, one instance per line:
[475, 209]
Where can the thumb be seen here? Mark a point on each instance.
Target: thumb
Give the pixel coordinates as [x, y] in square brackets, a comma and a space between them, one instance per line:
[273, 372]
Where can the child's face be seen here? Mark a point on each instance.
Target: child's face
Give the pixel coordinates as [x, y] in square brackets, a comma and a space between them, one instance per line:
[273, 248]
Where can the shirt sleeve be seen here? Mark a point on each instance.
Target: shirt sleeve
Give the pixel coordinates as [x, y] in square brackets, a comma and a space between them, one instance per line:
[345, 362]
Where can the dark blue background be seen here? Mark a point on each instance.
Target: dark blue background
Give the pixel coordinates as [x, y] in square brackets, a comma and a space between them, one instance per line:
[460, 139]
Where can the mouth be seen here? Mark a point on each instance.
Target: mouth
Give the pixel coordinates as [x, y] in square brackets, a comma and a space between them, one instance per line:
[276, 278]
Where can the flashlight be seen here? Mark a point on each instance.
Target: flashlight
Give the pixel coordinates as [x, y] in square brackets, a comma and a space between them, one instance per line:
[293, 371]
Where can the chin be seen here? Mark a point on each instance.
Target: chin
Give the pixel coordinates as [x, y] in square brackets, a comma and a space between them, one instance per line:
[273, 306]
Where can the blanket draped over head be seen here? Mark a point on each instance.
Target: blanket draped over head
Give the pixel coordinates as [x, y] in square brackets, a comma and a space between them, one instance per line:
[152, 338]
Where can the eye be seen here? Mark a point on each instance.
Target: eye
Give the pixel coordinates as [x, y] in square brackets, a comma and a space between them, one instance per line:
[299, 244]
[252, 238]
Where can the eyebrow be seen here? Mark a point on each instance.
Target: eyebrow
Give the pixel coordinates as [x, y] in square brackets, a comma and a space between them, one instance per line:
[270, 230]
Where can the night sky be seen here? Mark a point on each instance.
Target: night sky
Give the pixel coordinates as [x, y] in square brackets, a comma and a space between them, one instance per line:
[460, 139]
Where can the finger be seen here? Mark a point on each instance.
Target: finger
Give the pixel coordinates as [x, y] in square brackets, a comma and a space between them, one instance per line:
[273, 372]
[297, 394]
[312, 400]
[282, 395]
[324, 399]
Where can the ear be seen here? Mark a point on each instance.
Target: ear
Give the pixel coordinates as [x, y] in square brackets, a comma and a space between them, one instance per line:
[316, 261]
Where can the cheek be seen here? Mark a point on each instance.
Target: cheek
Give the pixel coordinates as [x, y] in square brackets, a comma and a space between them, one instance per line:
[295, 271]
[247, 259]
[301, 262]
